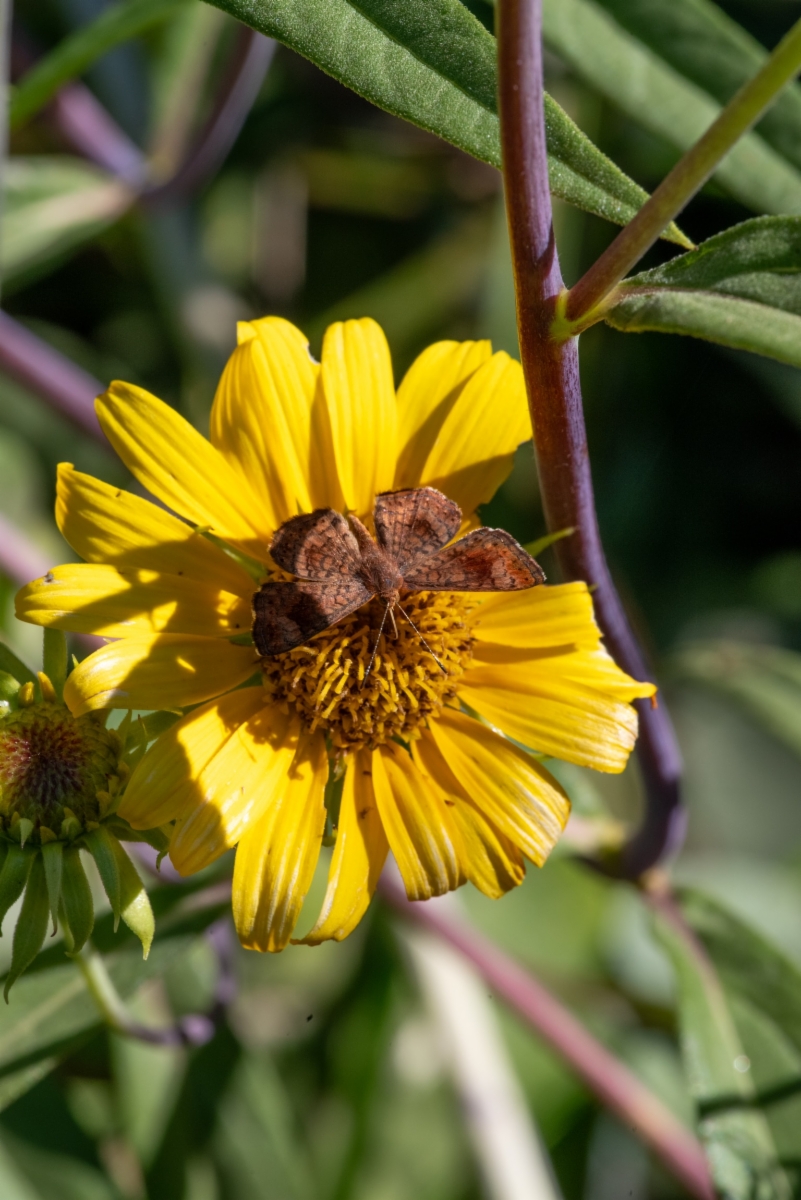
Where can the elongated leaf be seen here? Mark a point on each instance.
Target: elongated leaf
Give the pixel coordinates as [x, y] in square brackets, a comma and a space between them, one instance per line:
[742, 288]
[52, 205]
[747, 963]
[742, 1156]
[434, 64]
[765, 680]
[637, 81]
[74, 54]
[14, 666]
[705, 45]
[764, 992]
[31, 926]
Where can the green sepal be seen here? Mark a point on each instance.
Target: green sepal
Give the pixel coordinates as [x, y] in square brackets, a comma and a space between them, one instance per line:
[100, 844]
[15, 666]
[53, 859]
[55, 659]
[32, 924]
[159, 839]
[134, 901]
[13, 877]
[77, 909]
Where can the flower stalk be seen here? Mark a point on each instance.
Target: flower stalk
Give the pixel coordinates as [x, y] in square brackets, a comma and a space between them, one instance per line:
[586, 301]
[551, 370]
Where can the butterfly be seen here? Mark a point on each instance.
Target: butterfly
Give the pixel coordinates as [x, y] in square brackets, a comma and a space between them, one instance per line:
[339, 566]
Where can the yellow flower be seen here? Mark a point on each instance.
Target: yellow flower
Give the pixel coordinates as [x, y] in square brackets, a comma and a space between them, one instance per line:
[427, 774]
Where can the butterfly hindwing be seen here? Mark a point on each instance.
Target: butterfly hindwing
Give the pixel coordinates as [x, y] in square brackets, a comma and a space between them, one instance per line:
[286, 615]
[317, 545]
[415, 523]
[486, 560]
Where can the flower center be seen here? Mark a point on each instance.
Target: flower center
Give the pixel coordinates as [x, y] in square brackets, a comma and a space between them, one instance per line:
[327, 684]
[49, 761]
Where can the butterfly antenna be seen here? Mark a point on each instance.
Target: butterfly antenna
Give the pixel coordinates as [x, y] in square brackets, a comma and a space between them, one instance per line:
[375, 647]
[423, 640]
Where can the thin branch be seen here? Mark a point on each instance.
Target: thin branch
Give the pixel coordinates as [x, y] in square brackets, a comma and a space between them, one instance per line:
[37, 366]
[609, 1080]
[686, 178]
[249, 63]
[554, 390]
[89, 128]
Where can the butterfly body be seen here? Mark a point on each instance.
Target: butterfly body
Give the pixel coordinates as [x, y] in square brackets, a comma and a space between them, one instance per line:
[339, 566]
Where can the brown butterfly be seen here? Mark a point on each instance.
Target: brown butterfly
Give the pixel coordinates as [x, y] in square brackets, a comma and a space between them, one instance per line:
[340, 566]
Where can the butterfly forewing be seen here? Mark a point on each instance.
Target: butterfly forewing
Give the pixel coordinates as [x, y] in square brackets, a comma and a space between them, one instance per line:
[286, 615]
[415, 523]
[486, 560]
[317, 545]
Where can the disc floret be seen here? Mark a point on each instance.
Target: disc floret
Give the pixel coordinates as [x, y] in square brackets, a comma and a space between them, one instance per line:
[414, 673]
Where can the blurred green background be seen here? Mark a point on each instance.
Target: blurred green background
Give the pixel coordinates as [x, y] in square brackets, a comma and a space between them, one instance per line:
[328, 1078]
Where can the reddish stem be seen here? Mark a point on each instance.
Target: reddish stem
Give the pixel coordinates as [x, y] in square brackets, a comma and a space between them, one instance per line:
[551, 371]
[614, 1084]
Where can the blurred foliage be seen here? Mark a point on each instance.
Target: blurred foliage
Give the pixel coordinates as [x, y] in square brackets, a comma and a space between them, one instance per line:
[327, 1076]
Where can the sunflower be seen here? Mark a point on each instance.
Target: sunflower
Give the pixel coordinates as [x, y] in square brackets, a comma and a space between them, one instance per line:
[425, 762]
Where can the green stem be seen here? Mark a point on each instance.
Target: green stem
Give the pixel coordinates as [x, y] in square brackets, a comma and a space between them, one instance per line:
[101, 988]
[585, 301]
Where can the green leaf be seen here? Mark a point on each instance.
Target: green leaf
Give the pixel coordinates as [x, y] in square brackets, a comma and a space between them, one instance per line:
[737, 1139]
[15, 666]
[742, 288]
[13, 877]
[76, 898]
[706, 46]
[634, 78]
[53, 860]
[51, 205]
[72, 55]
[31, 929]
[433, 63]
[102, 845]
[135, 907]
[765, 680]
[764, 990]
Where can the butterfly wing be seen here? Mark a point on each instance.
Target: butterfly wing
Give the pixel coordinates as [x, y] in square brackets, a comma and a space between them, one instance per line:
[486, 560]
[317, 545]
[286, 615]
[414, 523]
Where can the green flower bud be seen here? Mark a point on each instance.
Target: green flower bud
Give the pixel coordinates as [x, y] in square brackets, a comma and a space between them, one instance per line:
[61, 781]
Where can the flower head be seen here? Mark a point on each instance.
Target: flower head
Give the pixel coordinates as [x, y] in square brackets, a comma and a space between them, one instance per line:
[417, 757]
[61, 779]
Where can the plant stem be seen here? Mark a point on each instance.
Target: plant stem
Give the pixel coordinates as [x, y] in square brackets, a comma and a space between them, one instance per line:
[609, 1080]
[677, 188]
[551, 371]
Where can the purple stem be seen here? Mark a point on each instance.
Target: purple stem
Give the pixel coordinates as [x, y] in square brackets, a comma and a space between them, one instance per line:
[614, 1084]
[86, 125]
[247, 68]
[554, 389]
[37, 366]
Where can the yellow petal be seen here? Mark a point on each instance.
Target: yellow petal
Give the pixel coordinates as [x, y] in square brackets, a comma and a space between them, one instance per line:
[233, 789]
[165, 785]
[429, 390]
[570, 703]
[162, 670]
[90, 598]
[521, 799]
[107, 525]
[358, 857]
[538, 617]
[418, 825]
[276, 858]
[176, 463]
[475, 445]
[262, 415]
[360, 394]
[490, 861]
